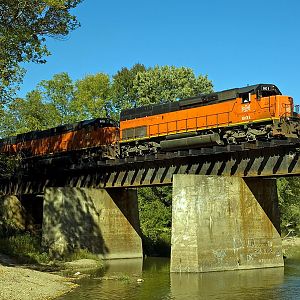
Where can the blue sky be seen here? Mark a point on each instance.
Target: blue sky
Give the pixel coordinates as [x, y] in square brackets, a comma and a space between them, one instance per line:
[234, 42]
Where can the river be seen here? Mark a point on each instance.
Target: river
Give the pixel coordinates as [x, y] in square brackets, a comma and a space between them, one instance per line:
[120, 280]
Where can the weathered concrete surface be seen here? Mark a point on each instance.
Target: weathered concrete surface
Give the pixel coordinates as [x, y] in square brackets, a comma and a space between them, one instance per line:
[218, 224]
[12, 213]
[104, 222]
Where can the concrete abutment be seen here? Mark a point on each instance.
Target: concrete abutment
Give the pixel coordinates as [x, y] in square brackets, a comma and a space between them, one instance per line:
[104, 222]
[224, 223]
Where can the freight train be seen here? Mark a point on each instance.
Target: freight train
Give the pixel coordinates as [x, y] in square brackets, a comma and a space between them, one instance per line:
[235, 116]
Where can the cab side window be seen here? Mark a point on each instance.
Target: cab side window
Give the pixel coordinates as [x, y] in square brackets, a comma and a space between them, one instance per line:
[245, 98]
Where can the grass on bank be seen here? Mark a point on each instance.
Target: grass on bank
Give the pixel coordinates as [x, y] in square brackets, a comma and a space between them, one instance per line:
[26, 248]
[80, 254]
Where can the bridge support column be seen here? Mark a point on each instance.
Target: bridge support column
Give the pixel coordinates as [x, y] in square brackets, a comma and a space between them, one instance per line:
[104, 222]
[224, 223]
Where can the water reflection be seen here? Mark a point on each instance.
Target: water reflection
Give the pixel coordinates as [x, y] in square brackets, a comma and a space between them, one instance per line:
[133, 266]
[247, 284]
[114, 282]
[120, 282]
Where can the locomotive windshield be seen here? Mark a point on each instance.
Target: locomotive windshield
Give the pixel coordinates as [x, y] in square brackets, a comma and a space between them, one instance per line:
[261, 90]
[267, 90]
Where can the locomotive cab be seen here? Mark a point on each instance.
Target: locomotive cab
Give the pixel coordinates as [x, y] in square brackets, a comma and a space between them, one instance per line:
[267, 90]
[267, 101]
[257, 92]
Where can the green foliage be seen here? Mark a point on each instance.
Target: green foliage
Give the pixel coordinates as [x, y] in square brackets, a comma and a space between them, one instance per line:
[123, 93]
[31, 113]
[80, 254]
[25, 247]
[24, 24]
[92, 97]
[8, 166]
[165, 84]
[59, 101]
[58, 93]
[289, 204]
[155, 217]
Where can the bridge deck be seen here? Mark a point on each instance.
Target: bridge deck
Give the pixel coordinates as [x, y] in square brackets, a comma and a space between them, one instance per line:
[267, 159]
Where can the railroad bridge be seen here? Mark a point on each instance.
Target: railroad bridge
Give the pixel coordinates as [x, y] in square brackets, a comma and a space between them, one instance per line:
[224, 214]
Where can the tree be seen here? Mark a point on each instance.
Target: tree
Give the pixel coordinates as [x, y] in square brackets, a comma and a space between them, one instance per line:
[123, 94]
[24, 26]
[46, 106]
[165, 84]
[59, 101]
[92, 97]
[289, 204]
[155, 212]
[29, 114]
[59, 91]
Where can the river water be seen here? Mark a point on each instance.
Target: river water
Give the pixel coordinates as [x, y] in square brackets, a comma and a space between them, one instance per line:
[120, 281]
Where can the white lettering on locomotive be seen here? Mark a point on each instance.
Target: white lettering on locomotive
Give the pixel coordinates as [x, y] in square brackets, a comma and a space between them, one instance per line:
[246, 108]
[245, 118]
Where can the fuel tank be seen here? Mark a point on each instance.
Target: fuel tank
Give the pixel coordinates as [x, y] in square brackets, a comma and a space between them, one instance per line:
[191, 141]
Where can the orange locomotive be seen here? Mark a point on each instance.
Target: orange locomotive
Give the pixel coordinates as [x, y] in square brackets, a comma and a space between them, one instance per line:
[97, 137]
[228, 117]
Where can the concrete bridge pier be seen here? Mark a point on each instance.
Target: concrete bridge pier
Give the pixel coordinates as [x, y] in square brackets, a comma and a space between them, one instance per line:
[104, 222]
[224, 223]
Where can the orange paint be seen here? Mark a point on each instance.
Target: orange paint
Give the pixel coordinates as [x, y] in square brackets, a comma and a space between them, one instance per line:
[84, 138]
[218, 115]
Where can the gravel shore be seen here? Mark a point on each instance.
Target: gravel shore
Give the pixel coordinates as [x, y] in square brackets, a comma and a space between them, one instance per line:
[19, 283]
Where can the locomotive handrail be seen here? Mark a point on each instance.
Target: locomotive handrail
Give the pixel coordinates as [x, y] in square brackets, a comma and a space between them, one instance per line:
[203, 122]
[287, 112]
[149, 127]
[186, 129]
